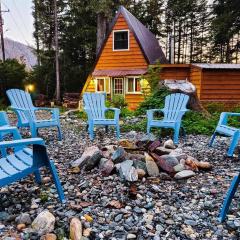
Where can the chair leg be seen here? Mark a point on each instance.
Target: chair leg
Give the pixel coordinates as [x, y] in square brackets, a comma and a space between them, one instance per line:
[212, 139]
[59, 133]
[118, 131]
[91, 131]
[37, 177]
[229, 197]
[56, 181]
[34, 131]
[148, 128]
[176, 135]
[106, 129]
[233, 144]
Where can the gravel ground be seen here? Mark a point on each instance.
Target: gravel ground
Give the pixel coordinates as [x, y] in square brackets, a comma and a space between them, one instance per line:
[186, 209]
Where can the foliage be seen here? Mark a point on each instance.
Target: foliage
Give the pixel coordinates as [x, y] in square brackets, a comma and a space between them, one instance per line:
[154, 100]
[118, 101]
[153, 76]
[12, 73]
[225, 28]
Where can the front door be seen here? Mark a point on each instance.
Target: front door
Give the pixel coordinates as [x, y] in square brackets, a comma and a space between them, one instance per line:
[118, 86]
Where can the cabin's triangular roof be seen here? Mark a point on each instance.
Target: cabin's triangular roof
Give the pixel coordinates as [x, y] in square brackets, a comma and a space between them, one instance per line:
[147, 41]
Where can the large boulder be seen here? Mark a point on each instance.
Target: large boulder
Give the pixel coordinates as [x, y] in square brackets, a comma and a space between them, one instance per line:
[43, 223]
[169, 144]
[92, 161]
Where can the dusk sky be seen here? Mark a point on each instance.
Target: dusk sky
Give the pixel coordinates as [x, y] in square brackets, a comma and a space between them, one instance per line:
[18, 23]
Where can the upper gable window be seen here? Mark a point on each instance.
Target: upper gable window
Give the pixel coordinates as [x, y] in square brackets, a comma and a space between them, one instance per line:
[120, 40]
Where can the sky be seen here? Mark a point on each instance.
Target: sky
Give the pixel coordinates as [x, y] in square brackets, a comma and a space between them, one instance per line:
[18, 23]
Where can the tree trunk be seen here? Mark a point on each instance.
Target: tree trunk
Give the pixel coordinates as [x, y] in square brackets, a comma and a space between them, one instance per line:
[184, 86]
[101, 29]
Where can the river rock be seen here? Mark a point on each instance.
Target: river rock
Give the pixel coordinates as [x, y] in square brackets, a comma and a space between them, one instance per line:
[140, 165]
[154, 145]
[141, 173]
[178, 153]
[169, 144]
[107, 167]
[127, 171]
[204, 165]
[23, 218]
[92, 161]
[49, 236]
[138, 157]
[184, 174]
[88, 153]
[162, 151]
[152, 168]
[178, 168]
[125, 143]
[119, 155]
[166, 162]
[44, 223]
[75, 229]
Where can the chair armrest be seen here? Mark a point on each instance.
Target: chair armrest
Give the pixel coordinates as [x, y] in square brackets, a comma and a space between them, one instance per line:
[27, 113]
[224, 117]
[22, 142]
[54, 111]
[116, 112]
[10, 129]
[150, 113]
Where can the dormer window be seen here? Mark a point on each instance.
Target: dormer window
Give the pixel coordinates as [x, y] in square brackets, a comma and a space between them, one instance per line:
[120, 40]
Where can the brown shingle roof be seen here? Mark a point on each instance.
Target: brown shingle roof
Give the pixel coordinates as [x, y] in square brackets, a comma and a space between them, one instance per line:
[217, 65]
[147, 41]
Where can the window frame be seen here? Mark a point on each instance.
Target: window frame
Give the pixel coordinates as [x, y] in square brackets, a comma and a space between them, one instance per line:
[105, 79]
[121, 30]
[134, 81]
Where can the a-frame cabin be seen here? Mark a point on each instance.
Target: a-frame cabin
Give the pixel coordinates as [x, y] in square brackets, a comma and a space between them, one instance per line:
[123, 58]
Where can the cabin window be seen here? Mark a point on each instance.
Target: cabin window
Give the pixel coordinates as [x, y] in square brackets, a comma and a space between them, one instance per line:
[133, 85]
[120, 40]
[102, 85]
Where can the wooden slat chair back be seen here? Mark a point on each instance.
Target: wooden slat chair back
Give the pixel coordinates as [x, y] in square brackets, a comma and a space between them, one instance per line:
[22, 100]
[173, 111]
[94, 106]
[174, 104]
[22, 105]
[95, 102]
[24, 161]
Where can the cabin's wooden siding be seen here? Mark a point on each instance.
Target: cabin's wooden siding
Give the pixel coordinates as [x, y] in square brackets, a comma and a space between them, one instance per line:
[131, 59]
[220, 85]
[175, 71]
[195, 78]
[133, 100]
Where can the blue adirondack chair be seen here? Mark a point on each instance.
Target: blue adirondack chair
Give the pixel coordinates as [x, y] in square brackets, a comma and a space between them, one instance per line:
[174, 109]
[229, 197]
[94, 105]
[24, 161]
[22, 105]
[223, 129]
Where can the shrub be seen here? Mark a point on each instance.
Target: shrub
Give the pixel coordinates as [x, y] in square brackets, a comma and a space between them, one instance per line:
[154, 100]
[118, 101]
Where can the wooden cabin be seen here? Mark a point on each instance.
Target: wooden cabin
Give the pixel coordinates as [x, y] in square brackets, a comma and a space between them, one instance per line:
[214, 82]
[123, 58]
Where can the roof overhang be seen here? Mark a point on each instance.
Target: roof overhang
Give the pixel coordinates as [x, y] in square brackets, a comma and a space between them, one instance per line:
[118, 72]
